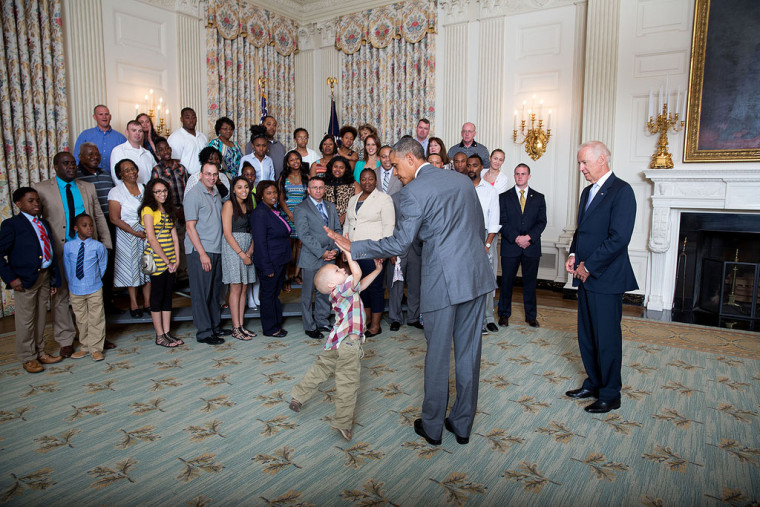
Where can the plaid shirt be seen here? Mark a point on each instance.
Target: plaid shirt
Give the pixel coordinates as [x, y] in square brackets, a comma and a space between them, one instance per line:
[349, 313]
[175, 174]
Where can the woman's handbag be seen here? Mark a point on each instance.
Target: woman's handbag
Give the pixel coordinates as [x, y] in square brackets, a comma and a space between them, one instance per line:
[147, 263]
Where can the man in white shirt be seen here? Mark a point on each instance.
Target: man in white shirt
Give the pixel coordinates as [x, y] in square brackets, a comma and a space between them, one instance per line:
[186, 143]
[134, 151]
[422, 131]
[489, 202]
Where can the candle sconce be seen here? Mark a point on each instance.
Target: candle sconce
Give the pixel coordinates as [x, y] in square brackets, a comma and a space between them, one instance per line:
[535, 138]
[159, 115]
[664, 121]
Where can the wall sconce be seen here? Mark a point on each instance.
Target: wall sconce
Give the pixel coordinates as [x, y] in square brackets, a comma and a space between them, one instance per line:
[534, 138]
[159, 116]
[664, 121]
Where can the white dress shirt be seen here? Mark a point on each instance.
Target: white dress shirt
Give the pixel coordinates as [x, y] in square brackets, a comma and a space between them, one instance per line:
[264, 169]
[312, 157]
[186, 148]
[140, 156]
[489, 201]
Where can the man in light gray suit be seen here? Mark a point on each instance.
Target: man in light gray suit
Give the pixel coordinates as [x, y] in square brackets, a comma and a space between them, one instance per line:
[311, 216]
[441, 208]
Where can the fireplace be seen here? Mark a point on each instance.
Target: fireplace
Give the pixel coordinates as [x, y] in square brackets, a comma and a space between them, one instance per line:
[717, 270]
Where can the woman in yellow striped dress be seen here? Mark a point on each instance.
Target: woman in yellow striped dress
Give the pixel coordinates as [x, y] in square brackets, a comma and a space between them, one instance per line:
[158, 213]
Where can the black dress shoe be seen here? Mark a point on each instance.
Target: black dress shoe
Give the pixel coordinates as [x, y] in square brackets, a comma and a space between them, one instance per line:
[450, 428]
[368, 334]
[108, 345]
[504, 321]
[533, 323]
[279, 334]
[420, 430]
[581, 393]
[416, 324]
[136, 314]
[211, 340]
[222, 332]
[492, 327]
[395, 326]
[314, 334]
[602, 407]
[324, 329]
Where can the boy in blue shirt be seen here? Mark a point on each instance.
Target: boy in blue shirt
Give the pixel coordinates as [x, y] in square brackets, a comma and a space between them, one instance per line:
[84, 261]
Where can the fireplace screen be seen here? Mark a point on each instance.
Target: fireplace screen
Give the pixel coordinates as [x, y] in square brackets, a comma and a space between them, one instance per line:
[730, 290]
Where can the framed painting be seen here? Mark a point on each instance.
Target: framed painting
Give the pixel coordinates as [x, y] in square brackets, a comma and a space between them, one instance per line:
[723, 115]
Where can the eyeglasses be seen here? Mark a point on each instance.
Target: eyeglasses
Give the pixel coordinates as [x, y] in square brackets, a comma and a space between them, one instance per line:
[156, 192]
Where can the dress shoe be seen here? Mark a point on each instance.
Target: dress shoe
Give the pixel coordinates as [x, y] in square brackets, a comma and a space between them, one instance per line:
[136, 314]
[79, 354]
[504, 321]
[33, 366]
[222, 332]
[285, 331]
[368, 334]
[107, 345]
[66, 351]
[416, 324]
[324, 329]
[581, 393]
[314, 334]
[97, 356]
[420, 430]
[450, 428]
[602, 407]
[211, 340]
[295, 405]
[279, 334]
[395, 326]
[492, 327]
[533, 323]
[48, 359]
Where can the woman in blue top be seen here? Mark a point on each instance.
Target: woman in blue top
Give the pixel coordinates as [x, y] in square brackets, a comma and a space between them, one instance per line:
[292, 189]
[371, 160]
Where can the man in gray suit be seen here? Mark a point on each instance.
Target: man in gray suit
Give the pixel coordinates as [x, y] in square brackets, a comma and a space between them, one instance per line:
[311, 216]
[441, 208]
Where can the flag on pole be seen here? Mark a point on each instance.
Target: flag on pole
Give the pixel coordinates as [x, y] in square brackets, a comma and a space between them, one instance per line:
[332, 127]
[264, 112]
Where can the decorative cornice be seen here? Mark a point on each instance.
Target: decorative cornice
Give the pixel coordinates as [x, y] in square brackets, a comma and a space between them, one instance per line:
[495, 7]
[308, 12]
[189, 7]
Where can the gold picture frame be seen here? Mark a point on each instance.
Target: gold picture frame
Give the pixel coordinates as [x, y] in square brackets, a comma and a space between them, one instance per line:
[723, 115]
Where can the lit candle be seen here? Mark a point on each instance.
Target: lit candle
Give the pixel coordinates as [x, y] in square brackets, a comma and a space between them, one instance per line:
[678, 100]
[158, 113]
[514, 123]
[533, 102]
[151, 99]
[146, 103]
[660, 108]
[540, 108]
[525, 103]
[667, 88]
[137, 109]
[549, 121]
[651, 103]
[166, 117]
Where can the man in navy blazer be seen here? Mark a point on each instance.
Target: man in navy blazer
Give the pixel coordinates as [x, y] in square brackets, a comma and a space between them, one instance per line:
[441, 208]
[602, 272]
[317, 250]
[520, 243]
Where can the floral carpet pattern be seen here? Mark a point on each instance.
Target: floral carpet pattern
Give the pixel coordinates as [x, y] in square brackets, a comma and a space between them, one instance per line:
[201, 425]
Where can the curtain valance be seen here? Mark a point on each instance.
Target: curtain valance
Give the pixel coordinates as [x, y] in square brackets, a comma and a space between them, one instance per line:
[234, 18]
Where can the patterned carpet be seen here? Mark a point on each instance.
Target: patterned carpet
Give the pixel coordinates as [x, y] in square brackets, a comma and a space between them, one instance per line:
[210, 426]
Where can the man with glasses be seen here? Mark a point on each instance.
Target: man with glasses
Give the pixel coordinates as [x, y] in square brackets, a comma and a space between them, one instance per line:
[468, 146]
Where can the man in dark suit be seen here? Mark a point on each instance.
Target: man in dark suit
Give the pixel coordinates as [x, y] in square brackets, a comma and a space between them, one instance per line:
[523, 219]
[602, 272]
[441, 208]
[311, 216]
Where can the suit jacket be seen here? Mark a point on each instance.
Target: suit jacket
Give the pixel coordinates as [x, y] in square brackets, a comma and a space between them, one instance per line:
[311, 232]
[394, 184]
[517, 223]
[376, 217]
[271, 239]
[442, 209]
[54, 212]
[21, 253]
[602, 236]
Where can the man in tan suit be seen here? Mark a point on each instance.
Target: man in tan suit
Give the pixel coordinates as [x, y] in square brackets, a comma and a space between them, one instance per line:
[63, 198]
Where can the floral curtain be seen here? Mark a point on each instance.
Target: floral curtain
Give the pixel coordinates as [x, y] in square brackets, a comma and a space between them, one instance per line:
[244, 44]
[388, 67]
[33, 118]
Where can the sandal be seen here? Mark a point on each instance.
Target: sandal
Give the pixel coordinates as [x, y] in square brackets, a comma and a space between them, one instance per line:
[174, 339]
[298, 280]
[286, 287]
[165, 341]
[247, 332]
[240, 335]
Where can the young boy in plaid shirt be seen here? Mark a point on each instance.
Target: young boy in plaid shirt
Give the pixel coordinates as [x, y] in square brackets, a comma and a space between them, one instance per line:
[342, 352]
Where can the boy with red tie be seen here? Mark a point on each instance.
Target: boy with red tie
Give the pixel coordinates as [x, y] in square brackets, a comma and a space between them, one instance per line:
[28, 266]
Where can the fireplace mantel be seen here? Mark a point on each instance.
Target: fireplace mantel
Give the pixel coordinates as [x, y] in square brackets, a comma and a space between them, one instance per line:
[677, 190]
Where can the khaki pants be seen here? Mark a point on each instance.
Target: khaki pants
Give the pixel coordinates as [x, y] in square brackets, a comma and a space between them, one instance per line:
[30, 316]
[345, 362]
[91, 320]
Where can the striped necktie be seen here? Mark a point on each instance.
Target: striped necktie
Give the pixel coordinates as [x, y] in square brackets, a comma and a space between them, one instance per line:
[321, 208]
[386, 179]
[80, 262]
[47, 252]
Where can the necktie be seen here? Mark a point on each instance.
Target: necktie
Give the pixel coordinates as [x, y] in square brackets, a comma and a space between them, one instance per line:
[80, 262]
[72, 209]
[47, 252]
[321, 208]
[522, 201]
[591, 195]
[386, 179]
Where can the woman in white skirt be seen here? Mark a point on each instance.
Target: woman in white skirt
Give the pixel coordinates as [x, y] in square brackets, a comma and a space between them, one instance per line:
[237, 249]
[123, 201]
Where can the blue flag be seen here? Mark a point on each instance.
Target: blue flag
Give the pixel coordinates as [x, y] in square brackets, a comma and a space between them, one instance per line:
[264, 112]
[333, 127]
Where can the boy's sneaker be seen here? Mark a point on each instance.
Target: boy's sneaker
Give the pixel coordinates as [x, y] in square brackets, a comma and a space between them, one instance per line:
[344, 433]
[97, 356]
[79, 354]
[295, 405]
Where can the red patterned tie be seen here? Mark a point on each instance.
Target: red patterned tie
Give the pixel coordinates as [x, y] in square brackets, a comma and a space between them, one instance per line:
[46, 251]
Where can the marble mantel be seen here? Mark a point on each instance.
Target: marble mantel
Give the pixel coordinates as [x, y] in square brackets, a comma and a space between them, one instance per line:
[689, 190]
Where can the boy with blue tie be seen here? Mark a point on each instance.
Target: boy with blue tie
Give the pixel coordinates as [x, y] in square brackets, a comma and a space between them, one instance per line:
[84, 261]
[28, 266]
